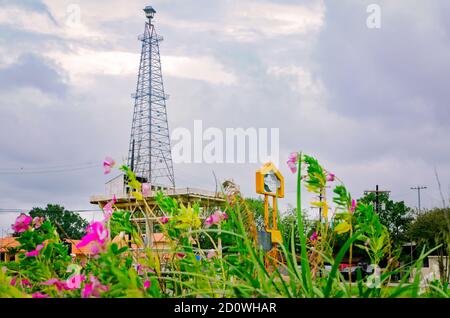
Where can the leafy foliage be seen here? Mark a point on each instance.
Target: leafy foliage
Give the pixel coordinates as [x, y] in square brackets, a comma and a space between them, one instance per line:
[396, 216]
[69, 225]
[230, 265]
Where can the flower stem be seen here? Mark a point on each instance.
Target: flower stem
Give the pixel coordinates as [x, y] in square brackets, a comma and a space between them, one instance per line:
[305, 269]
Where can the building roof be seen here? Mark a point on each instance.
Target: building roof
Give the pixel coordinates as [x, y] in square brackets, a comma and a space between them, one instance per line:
[7, 243]
[85, 250]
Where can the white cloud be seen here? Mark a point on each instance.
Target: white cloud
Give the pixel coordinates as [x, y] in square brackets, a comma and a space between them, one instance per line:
[42, 23]
[202, 68]
[304, 82]
[83, 63]
[253, 19]
[24, 98]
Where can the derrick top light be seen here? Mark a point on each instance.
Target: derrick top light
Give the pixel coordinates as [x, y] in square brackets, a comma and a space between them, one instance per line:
[149, 12]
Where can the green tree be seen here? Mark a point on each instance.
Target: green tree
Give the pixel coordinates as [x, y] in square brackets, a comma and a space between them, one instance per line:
[396, 216]
[431, 229]
[289, 222]
[257, 207]
[70, 225]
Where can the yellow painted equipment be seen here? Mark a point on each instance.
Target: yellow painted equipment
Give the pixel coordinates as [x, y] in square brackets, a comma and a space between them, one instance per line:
[270, 183]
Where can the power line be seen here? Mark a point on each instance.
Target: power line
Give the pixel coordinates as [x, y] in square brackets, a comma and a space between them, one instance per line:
[418, 188]
[24, 171]
[67, 210]
[55, 166]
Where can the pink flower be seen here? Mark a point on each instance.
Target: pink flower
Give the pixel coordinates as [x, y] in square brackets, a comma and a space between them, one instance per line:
[330, 177]
[22, 223]
[108, 164]
[25, 282]
[95, 249]
[293, 162]
[74, 282]
[313, 237]
[139, 269]
[212, 219]
[353, 207]
[54, 281]
[145, 189]
[211, 254]
[108, 208]
[216, 218]
[13, 281]
[94, 288]
[97, 233]
[35, 252]
[39, 295]
[37, 222]
[164, 219]
[147, 284]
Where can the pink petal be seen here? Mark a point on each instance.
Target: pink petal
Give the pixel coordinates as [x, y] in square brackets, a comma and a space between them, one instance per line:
[87, 290]
[22, 223]
[108, 208]
[147, 284]
[353, 207]
[32, 254]
[50, 282]
[88, 238]
[293, 157]
[145, 189]
[211, 254]
[107, 170]
[35, 252]
[75, 282]
[292, 166]
[95, 249]
[330, 177]
[109, 162]
[164, 219]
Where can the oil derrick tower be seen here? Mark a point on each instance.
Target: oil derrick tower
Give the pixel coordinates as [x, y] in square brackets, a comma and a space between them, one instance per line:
[149, 153]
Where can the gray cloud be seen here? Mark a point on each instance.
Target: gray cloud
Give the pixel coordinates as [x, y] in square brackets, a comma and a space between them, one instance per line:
[33, 71]
[370, 104]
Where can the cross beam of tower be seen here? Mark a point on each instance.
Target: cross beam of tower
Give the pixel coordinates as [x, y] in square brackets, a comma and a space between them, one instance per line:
[149, 153]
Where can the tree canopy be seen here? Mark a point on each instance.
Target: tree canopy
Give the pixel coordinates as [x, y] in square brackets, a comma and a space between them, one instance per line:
[396, 216]
[70, 225]
[432, 228]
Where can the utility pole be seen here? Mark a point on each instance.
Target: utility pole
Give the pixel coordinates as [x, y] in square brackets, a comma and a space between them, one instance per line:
[377, 192]
[418, 188]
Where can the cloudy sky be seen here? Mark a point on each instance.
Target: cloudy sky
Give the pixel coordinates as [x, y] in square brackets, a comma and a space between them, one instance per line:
[370, 103]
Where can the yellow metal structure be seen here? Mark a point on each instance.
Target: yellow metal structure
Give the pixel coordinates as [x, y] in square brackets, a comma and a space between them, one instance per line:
[261, 188]
[270, 183]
